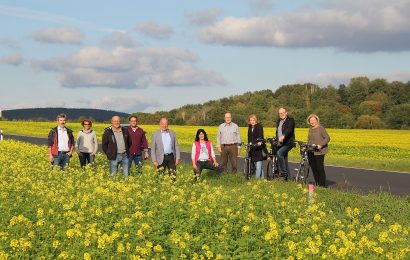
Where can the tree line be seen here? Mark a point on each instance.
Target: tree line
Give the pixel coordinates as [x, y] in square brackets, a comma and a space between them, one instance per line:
[363, 103]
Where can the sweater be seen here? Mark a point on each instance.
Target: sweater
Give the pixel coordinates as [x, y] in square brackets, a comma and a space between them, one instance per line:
[319, 136]
[86, 142]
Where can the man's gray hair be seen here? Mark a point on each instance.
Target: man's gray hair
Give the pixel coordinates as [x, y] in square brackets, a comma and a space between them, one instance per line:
[62, 115]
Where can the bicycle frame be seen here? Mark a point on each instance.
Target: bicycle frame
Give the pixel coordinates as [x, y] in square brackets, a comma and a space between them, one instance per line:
[272, 168]
[302, 173]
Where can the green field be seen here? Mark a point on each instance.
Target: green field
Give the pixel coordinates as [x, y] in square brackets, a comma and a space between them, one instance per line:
[374, 149]
[88, 214]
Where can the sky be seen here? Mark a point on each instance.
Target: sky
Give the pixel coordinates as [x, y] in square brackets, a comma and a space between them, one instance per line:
[145, 56]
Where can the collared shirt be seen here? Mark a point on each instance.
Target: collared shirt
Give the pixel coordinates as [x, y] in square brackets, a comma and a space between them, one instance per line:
[228, 134]
[280, 127]
[138, 140]
[62, 139]
[166, 142]
[119, 138]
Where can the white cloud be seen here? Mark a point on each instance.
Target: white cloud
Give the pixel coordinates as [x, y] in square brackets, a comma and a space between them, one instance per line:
[119, 39]
[14, 60]
[67, 35]
[127, 104]
[364, 26]
[337, 78]
[9, 43]
[130, 68]
[155, 30]
[30, 14]
[204, 17]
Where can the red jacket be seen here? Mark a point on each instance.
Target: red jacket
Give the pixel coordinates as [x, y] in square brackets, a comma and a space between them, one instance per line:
[52, 140]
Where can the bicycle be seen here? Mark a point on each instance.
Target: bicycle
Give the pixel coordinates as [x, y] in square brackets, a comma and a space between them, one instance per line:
[302, 173]
[249, 165]
[272, 167]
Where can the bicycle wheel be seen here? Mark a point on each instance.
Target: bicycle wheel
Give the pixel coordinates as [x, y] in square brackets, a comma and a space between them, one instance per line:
[302, 173]
[275, 168]
[269, 170]
[246, 168]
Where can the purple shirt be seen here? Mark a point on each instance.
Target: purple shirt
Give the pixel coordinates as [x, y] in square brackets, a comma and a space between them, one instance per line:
[138, 141]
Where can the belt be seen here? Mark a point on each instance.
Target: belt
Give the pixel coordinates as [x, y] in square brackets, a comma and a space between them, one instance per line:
[169, 154]
[227, 144]
[63, 152]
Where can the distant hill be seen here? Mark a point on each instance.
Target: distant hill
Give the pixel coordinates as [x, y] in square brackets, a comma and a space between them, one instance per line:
[49, 114]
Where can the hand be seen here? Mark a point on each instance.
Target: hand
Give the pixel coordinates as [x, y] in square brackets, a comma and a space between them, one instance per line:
[177, 161]
[50, 158]
[69, 153]
[155, 164]
[239, 151]
[79, 153]
[93, 154]
[219, 149]
[146, 155]
[259, 143]
[216, 164]
[281, 138]
[195, 167]
[319, 147]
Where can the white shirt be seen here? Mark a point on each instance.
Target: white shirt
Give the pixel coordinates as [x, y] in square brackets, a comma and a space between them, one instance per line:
[62, 140]
[166, 142]
[203, 154]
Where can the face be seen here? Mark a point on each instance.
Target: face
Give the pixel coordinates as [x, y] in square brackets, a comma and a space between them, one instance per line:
[201, 136]
[86, 125]
[116, 121]
[133, 122]
[282, 113]
[61, 122]
[252, 121]
[228, 118]
[313, 121]
[163, 124]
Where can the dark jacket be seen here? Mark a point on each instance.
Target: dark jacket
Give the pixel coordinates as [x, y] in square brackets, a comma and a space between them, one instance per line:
[109, 143]
[288, 130]
[257, 133]
[52, 140]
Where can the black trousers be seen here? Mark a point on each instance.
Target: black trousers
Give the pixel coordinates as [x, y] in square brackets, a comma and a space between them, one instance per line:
[206, 165]
[317, 163]
[168, 163]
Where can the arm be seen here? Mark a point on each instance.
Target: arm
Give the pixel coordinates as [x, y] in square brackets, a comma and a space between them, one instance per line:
[77, 143]
[105, 141]
[218, 139]
[153, 145]
[213, 155]
[287, 132]
[193, 152]
[95, 141]
[177, 151]
[145, 145]
[325, 136]
[238, 138]
[50, 142]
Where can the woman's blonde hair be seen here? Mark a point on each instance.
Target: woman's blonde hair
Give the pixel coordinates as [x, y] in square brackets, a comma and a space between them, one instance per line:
[315, 116]
[253, 116]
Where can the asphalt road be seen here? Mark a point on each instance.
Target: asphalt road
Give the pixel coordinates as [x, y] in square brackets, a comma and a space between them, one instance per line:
[341, 178]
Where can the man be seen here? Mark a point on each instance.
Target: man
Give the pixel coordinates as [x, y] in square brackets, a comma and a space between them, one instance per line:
[285, 134]
[138, 144]
[165, 148]
[229, 142]
[60, 143]
[115, 144]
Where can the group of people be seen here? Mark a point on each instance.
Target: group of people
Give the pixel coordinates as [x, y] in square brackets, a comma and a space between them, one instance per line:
[125, 145]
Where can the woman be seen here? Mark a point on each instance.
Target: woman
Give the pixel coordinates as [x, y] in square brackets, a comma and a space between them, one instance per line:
[255, 134]
[203, 155]
[86, 143]
[317, 135]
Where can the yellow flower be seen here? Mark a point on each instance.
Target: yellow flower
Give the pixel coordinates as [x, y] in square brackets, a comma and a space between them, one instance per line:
[87, 256]
[245, 228]
[56, 244]
[377, 218]
[158, 248]
[120, 248]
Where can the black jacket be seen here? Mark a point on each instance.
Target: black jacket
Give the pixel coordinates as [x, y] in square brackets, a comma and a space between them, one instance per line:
[288, 130]
[257, 133]
[109, 144]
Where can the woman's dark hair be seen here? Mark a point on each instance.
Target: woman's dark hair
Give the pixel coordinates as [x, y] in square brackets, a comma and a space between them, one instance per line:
[197, 135]
[87, 121]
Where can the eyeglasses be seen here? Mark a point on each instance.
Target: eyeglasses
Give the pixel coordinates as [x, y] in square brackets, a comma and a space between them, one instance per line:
[86, 124]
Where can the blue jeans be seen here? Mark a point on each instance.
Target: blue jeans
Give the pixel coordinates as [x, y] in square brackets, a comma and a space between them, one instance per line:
[283, 161]
[259, 170]
[137, 159]
[122, 159]
[61, 160]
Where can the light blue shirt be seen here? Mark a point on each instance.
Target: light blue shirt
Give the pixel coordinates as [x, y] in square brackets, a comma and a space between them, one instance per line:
[166, 142]
[280, 128]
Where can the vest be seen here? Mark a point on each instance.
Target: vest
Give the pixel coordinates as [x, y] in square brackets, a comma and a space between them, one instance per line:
[198, 149]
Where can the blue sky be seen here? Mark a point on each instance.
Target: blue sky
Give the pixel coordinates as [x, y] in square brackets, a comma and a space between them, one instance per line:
[144, 56]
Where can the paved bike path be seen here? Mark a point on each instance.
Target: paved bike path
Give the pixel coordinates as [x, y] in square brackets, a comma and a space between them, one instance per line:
[341, 178]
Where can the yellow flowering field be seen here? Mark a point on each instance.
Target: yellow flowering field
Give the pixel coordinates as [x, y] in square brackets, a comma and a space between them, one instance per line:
[88, 214]
[376, 149]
